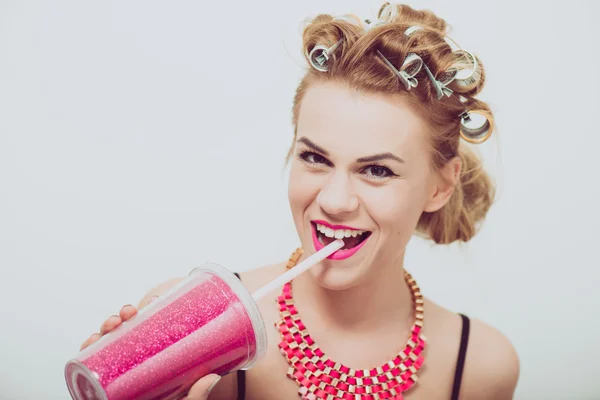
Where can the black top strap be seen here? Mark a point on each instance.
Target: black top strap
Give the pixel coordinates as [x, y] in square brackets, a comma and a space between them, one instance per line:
[241, 384]
[241, 375]
[460, 362]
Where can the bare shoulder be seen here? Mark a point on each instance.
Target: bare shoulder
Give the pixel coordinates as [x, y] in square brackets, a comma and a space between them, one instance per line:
[491, 368]
[258, 277]
[492, 365]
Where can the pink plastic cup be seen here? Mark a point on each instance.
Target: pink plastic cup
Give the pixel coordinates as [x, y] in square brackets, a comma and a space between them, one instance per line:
[208, 323]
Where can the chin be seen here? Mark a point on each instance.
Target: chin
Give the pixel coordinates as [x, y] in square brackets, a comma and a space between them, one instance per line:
[336, 274]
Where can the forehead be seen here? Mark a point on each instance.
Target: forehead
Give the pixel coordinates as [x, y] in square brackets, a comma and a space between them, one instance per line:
[356, 123]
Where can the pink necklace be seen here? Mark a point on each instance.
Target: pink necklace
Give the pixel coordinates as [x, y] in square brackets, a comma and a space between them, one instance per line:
[319, 377]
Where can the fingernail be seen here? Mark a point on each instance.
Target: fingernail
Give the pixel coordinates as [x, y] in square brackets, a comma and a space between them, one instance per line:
[211, 387]
[154, 297]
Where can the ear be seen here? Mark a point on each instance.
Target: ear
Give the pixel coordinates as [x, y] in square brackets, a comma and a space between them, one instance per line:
[445, 182]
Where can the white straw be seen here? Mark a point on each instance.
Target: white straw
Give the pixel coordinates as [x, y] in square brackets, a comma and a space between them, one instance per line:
[298, 269]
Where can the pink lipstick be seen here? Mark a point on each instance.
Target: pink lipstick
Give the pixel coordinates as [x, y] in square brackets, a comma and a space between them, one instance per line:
[341, 254]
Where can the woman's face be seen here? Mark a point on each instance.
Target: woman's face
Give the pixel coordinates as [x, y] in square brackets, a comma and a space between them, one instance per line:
[361, 162]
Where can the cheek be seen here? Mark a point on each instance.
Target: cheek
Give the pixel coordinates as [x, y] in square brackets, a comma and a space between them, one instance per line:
[396, 207]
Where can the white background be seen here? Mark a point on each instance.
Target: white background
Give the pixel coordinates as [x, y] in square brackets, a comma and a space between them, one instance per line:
[139, 139]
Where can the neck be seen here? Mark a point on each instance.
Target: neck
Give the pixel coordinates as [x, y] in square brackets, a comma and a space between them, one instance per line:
[379, 301]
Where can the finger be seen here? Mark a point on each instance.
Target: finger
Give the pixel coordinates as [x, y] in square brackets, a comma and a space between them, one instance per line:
[127, 312]
[111, 323]
[90, 340]
[202, 388]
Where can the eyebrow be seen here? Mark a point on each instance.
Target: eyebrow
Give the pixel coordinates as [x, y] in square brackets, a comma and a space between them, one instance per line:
[382, 156]
[375, 157]
[313, 146]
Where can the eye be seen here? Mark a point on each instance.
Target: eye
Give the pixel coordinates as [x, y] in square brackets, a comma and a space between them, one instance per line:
[378, 171]
[313, 158]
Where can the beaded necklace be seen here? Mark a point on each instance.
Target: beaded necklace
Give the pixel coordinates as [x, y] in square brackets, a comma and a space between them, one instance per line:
[321, 378]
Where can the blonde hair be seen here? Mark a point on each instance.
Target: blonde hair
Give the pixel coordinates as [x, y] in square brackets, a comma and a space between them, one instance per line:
[355, 63]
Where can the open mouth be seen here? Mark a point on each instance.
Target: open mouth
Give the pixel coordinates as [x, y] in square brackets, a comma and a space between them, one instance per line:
[353, 239]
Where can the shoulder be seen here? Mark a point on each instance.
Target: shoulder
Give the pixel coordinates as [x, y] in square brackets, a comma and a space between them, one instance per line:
[491, 366]
[256, 278]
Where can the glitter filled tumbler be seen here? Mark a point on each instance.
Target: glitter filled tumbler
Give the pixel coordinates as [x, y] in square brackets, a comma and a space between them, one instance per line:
[208, 323]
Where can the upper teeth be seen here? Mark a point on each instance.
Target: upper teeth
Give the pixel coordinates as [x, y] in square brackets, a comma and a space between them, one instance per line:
[338, 233]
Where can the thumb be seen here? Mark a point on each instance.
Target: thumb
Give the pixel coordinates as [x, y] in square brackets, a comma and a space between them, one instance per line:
[202, 387]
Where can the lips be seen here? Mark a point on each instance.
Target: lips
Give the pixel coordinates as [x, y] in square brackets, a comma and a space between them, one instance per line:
[324, 233]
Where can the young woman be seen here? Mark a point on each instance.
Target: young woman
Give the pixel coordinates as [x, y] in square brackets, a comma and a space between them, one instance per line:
[376, 158]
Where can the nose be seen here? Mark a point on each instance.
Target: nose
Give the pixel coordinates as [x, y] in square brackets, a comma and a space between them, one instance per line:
[337, 196]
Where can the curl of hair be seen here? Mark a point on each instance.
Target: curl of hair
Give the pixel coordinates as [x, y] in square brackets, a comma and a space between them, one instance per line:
[355, 64]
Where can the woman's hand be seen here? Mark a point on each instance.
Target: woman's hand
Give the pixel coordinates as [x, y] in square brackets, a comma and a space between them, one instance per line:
[112, 322]
[128, 311]
[201, 388]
